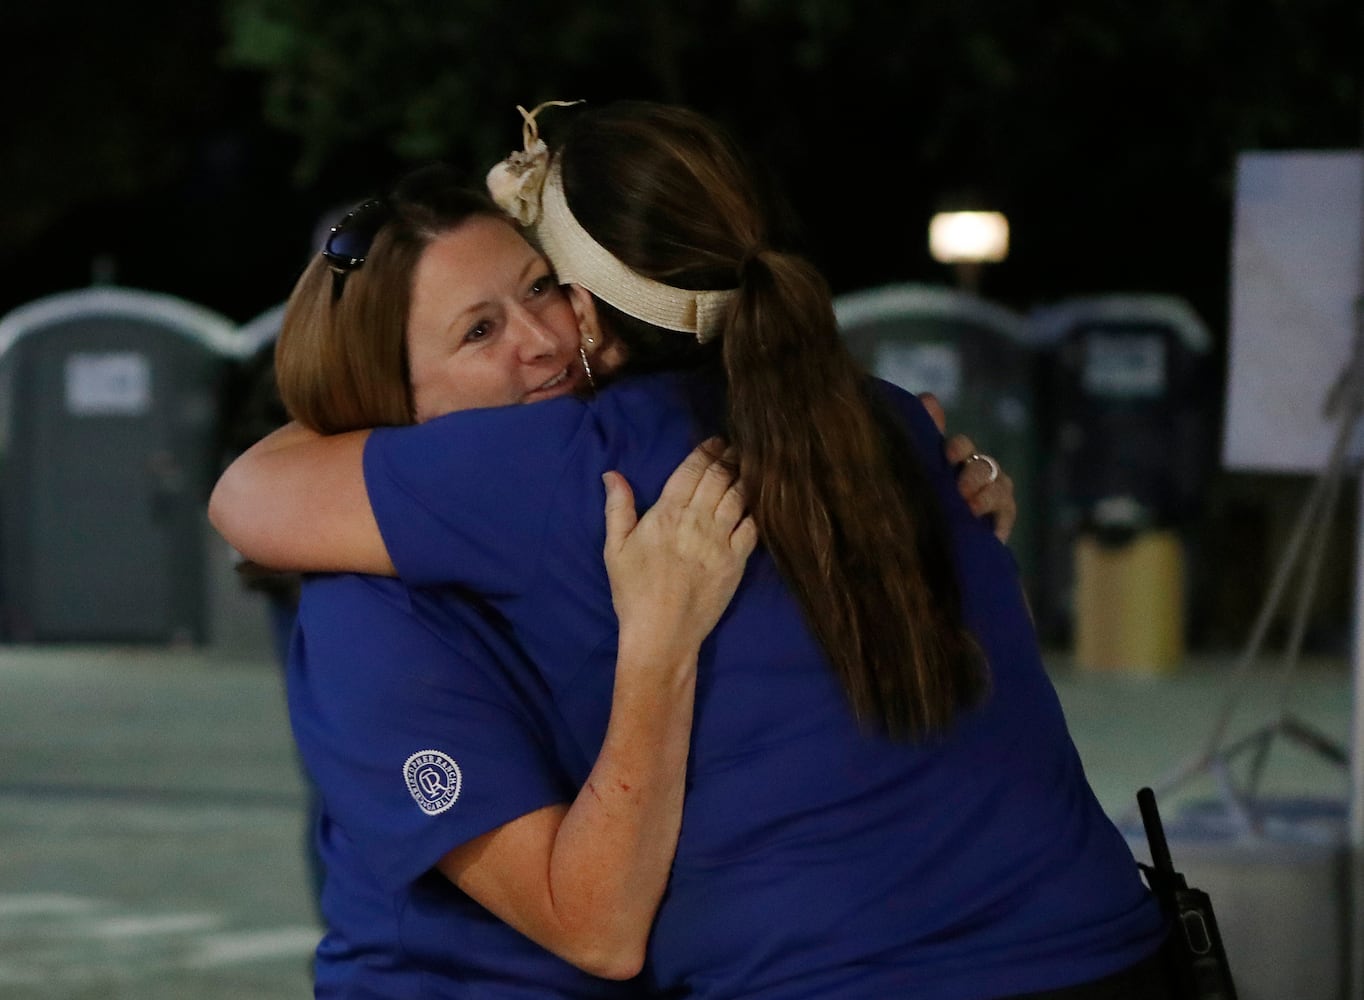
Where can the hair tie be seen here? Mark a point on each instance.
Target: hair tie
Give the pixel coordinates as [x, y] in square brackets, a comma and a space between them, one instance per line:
[754, 257]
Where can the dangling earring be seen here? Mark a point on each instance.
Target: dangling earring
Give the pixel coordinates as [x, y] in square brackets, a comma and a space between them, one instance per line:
[582, 353]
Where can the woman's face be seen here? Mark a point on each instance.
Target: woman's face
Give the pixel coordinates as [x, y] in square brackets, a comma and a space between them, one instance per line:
[488, 325]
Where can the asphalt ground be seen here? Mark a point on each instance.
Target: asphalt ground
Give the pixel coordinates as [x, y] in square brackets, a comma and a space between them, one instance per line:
[151, 812]
[150, 829]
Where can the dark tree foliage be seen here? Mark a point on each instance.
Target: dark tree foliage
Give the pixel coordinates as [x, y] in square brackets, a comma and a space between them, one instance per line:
[129, 148]
[1108, 132]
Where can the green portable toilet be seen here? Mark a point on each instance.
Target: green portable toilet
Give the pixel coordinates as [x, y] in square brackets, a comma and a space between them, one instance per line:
[1131, 397]
[108, 423]
[973, 355]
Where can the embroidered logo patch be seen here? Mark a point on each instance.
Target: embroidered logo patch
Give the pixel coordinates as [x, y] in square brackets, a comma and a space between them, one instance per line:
[433, 778]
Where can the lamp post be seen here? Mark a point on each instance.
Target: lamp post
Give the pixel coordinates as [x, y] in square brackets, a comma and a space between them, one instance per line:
[966, 240]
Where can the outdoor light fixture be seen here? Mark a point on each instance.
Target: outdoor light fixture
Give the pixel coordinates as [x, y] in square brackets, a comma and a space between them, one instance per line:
[968, 237]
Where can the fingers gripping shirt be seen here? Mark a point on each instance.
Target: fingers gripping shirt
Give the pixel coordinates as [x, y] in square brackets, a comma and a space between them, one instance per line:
[508, 503]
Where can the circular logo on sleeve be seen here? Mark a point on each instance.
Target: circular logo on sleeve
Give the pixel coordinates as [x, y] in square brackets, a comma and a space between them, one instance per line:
[433, 778]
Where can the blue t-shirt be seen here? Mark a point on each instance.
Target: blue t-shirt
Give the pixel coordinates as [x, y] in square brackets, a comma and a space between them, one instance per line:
[814, 859]
[423, 727]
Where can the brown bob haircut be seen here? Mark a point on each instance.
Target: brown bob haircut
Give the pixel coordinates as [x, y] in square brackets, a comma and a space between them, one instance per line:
[341, 359]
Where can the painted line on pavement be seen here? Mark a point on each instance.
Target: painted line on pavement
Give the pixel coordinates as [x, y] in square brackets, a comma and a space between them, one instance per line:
[131, 927]
[37, 904]
[238, 947]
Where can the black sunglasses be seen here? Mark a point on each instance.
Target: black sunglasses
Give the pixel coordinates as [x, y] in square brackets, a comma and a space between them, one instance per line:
[348, 243]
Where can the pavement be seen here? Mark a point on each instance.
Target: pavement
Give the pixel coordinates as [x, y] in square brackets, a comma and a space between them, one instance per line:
[150, 829]
[151, 812]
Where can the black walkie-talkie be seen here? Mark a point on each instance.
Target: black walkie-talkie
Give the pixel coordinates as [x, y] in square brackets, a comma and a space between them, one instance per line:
[1196, 956]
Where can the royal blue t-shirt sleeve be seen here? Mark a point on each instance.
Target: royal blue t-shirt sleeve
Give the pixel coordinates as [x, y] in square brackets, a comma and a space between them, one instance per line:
[417, 735]
[466, 498]
[927, 441]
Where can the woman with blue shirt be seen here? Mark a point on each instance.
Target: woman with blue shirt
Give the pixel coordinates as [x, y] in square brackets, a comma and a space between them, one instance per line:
[415, 712]
[881, 795]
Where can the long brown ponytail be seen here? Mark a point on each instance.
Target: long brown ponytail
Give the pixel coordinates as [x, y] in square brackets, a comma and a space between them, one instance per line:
[857, 537]
[838, 498]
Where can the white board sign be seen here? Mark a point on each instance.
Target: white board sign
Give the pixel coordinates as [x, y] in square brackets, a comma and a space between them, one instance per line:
[1297, 269]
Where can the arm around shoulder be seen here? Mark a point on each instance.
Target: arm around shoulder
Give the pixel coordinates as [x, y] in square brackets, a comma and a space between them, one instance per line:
[296, 500]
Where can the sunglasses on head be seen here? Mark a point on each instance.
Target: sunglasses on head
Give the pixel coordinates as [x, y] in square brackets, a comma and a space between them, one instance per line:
[348, 244]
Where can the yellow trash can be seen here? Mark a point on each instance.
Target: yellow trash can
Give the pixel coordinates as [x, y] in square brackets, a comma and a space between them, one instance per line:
[1129, 603]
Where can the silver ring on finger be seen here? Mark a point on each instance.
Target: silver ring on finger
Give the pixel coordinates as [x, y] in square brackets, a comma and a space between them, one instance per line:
[994, 466]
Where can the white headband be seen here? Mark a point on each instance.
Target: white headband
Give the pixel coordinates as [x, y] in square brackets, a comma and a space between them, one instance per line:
[527, 185]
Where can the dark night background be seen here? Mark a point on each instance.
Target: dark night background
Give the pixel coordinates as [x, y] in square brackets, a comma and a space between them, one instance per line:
[195, 144]
[192, 148]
